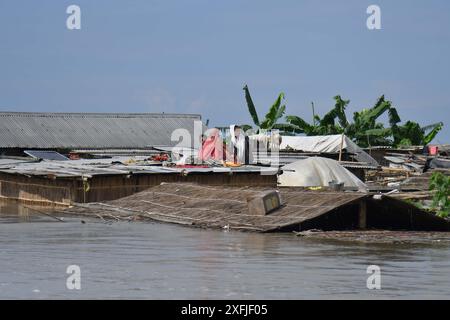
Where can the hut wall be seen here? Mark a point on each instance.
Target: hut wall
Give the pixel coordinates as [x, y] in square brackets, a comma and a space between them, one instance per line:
[341, 218]
[394, 214]
[39, 190]
[45, 190]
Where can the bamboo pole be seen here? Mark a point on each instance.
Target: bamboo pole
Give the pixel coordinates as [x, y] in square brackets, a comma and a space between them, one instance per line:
[340, 149]
[362, 215]
[42, 212]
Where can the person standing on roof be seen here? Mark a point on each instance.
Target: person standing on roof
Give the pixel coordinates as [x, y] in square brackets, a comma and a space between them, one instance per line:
[212, 146]
[239, 145]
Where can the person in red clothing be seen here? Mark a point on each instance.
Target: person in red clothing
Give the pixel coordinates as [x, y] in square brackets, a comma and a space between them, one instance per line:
[212, 146]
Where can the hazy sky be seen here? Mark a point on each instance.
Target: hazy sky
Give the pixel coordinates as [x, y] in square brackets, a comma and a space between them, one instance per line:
[194, 57]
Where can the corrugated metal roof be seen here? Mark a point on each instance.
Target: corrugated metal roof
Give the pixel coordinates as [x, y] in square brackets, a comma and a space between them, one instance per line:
[90, 130]
[114, 166]
[283, 158]
[12, 162]
[397, 160]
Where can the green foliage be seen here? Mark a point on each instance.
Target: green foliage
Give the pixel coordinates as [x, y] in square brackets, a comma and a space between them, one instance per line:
[298, 125]
[434, 130]
[411, 131]
[245, 127]
[365, 129]
[405, 143]
[415, 134]
[321, 126]
[276, 111]
[251, 106]
[440, 186]
[337, 112]
[394, 118]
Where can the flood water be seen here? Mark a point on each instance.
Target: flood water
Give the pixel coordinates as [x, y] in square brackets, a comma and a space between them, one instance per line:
[163, 261]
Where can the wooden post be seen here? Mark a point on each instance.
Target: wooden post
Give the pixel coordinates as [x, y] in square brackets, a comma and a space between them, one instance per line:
[362, 215]
[340, 149]
[257, 151]
[247, 150]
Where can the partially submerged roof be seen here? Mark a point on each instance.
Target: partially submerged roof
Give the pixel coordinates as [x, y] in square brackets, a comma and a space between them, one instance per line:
[226, 207]
[219, 207]
[90, 130]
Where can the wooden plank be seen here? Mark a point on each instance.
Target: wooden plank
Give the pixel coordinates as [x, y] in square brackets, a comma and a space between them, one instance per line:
[362, 215]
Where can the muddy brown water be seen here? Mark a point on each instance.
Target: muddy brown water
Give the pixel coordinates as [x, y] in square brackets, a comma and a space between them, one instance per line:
[163, 261]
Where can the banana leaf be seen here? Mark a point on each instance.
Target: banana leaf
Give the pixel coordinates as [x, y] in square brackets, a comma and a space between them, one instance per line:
[394, 118]
[287, 128]
[340, 110]
[251, 106]
[300, 124]
[435, 128]
[381, 132]
[376, 111]
[276, 111]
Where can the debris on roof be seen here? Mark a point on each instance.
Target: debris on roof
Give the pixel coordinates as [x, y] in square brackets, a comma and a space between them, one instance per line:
[412, 162]
[46, 155]
[420, 182]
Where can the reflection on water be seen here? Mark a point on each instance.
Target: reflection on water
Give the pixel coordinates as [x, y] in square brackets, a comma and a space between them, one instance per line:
[161, 261]
[12, 212]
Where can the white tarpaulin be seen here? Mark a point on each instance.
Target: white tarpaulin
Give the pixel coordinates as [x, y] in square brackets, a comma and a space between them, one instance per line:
[331, 144]
[318, 172]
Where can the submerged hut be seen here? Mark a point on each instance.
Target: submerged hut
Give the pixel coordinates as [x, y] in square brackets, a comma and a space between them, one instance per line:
[228, 208]
[124, 134]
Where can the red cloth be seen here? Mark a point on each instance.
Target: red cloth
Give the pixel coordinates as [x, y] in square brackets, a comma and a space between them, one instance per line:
[212, 147]
[192, 166]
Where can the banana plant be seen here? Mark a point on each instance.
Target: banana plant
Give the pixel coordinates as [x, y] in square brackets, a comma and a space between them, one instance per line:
[338, 112]
[433, 130]
[365, 129]
[275, 113]
[320, 126]
[412, 134]
[408, 134]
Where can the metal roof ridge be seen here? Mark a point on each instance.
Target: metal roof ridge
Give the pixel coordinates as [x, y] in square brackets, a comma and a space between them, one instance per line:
[98, 114]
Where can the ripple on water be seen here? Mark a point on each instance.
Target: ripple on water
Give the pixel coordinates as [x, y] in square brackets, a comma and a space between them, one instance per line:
[152, 260]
